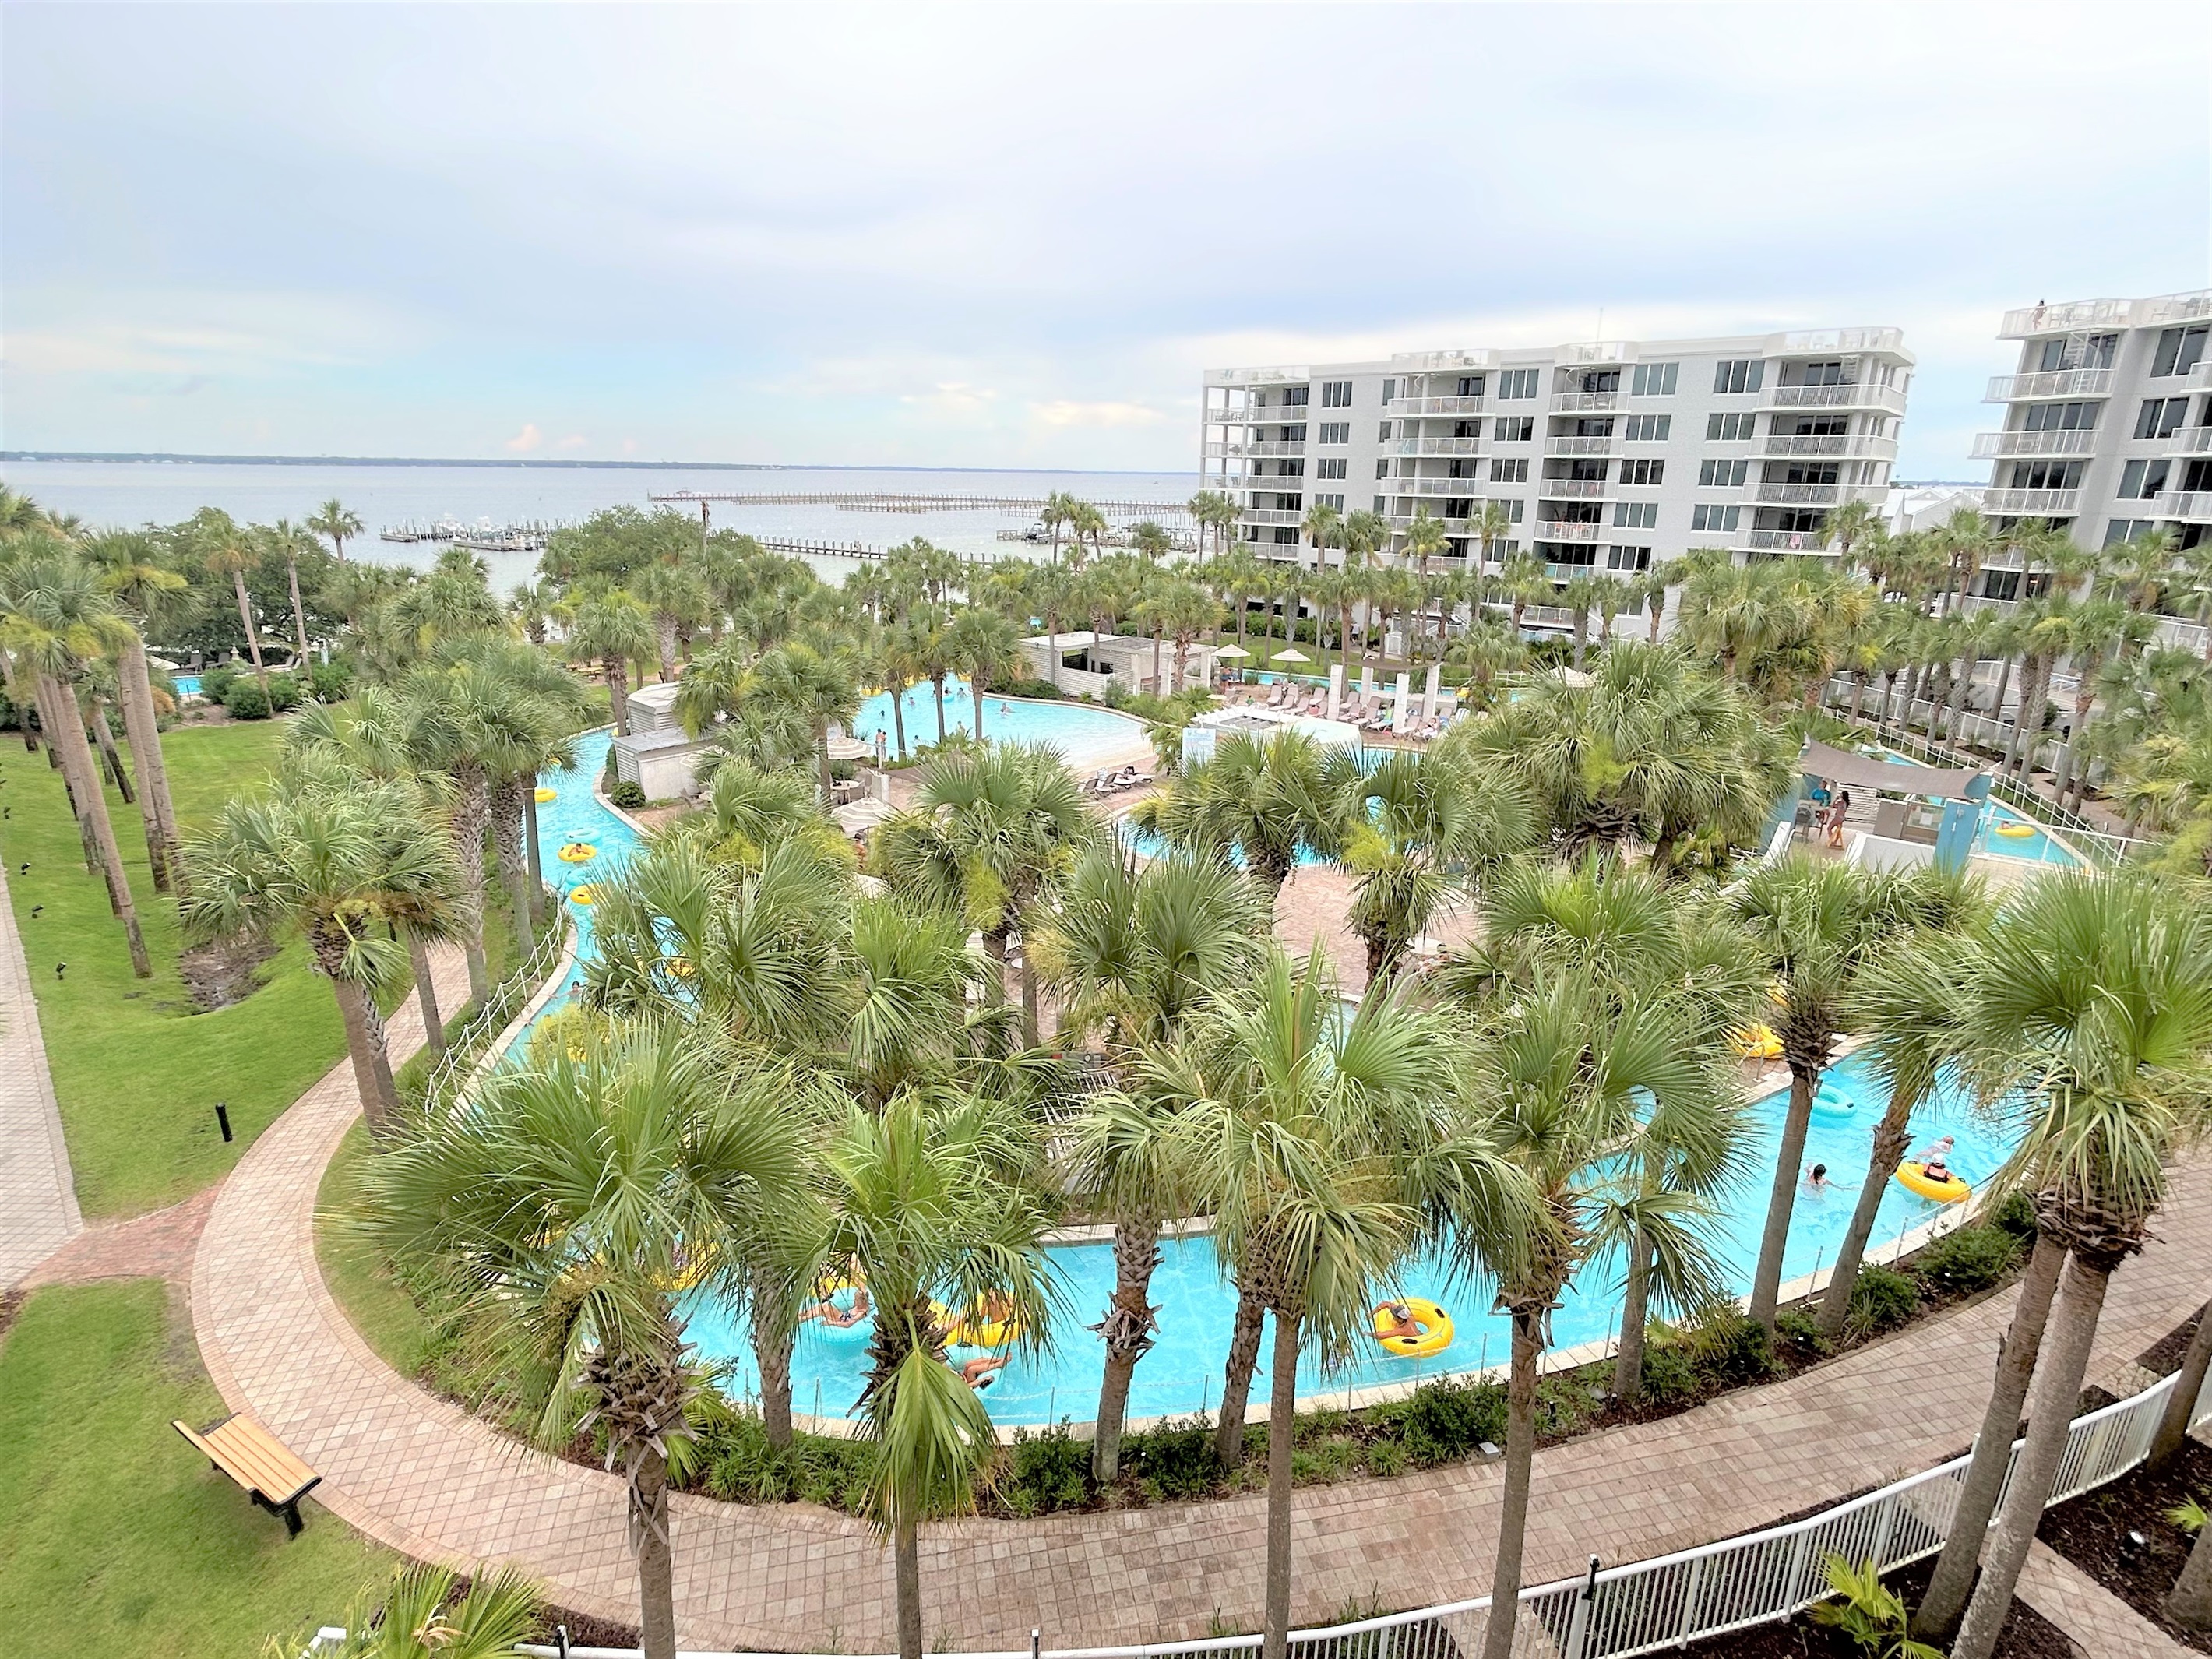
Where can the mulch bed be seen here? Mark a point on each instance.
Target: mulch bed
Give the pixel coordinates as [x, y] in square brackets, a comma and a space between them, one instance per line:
[2098, 1532]
[224, 972]
[2164, 1356]
[2026, 1633]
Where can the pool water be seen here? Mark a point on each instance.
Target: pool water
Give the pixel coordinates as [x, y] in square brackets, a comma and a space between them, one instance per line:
[188, 685]
[1181, 1373]
[2035, 846]
[1084, 733]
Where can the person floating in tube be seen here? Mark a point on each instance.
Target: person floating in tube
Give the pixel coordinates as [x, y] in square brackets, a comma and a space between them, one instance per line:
[1932, 1162]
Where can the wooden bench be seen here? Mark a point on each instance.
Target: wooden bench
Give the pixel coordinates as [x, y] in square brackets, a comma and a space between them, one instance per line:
[241, 1449]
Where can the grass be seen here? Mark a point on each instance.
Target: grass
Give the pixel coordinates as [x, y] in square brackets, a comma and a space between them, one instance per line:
[115, 1537]
[136, 1072]
[387, 1318]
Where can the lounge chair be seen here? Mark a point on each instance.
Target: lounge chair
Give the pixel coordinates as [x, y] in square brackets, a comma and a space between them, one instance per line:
[1282, 696]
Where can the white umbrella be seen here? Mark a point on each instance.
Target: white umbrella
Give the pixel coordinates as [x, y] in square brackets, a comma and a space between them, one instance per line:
[863, 814]
[850, 749]
[1292, 655]
[1230, 651]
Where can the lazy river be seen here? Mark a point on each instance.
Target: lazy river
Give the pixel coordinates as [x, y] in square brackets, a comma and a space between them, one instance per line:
[1181, 1373]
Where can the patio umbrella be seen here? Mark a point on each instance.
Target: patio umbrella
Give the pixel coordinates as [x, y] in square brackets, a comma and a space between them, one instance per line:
[1292, 655]
[843, 748]
[1230, 651]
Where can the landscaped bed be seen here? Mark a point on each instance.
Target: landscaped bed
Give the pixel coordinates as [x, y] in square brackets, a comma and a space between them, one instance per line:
[2026, 1633]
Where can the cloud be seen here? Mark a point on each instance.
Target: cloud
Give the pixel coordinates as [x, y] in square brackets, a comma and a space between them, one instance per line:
[1064, 412]
[951, 398]
[574, 441]
[528, 439]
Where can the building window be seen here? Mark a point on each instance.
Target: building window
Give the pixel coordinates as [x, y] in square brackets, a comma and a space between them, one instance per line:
[1635, 516]
[1517, 382]
[2160, 415]
[2047, 475]
[1330, 467]
[2179, 350]
[1516, 471]
[2060, 417]
[1336, 501]
[1721, 475]
[1382, 503]
[1718, 519]
[1470, 385]
[1383, 435]
[1829, 372]
[1643, 472]
[1804, 472]
[1740, 374]
[1336, 432]
[1381, 469]
[1336, 394]
[1729, 429]
[1295, 396]
[1515, 428]
[1628, 558]
[1647, 428]
[1653, 380]
[2126, 530]
[1390, 391]
[2140, 480]
[1513, 510]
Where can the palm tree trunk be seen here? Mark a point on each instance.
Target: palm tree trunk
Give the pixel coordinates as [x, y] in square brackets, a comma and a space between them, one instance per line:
[506, 813]
[1237, 1382]
[1520, 1466]
[142, 730]
[1945, 1600]
[68, 733]
[537, 856]
[1028, 987]
[299, 611]
[95, 720]
[2188, 1383]
[905, 1546]
[994, 948]
[1127, 1330]
[469, 811]
[1891, 1138]
[1766, 1283]
[1282, 1419]
[666, 635]
[1960, 687]
[246, 621]
[618, 694]
[2190, 1604]
[975, 697]
[426, 993]
[57, 758]
[937, 684]
[372, 1065]
[1635, 1303]
[772, 1340]
[2051, 1402]
[649, 1523]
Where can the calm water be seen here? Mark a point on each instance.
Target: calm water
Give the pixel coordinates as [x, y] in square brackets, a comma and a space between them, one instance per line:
[1085, 734]
[132, 493]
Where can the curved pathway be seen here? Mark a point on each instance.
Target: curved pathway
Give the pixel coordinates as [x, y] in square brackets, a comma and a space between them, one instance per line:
[423, 1476]
[38, 1196]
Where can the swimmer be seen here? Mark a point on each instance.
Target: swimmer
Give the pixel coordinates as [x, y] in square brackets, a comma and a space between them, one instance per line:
[1403, 1323]
[978, 1372]
[1933, 1161]
[1816, 1179]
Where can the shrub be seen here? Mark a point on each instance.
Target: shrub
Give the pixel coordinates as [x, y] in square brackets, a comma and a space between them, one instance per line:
[1387, 1457]
[2016, 1216]
[214, 681]
[284, 692]
[1669, 1376]
[1971, 1259]
[1732, 1348]
[1882, 1298]
[1046, 1471]
[1564, 1403]
[1443, 1422]
[330, 682]
[243, 698]
[1171, 1462]
[1042, 689]
[624, 793]
[1801, 1332]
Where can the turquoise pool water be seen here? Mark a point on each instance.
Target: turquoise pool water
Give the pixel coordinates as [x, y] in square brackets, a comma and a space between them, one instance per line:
[2034, 847]
[1085, 734]
[188, 685]
[1182, 1375]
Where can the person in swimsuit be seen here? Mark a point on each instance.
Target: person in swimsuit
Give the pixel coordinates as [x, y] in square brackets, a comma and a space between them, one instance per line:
[1932, 1162]
[1403, 1324]
[981, 1369]
[1816, 1179]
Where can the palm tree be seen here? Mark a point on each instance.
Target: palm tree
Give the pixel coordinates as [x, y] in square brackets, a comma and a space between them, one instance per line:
[54, 620]
[1523, 580]
[678, 602]
[2099, 632]
[285, 540]
[148, 590]
[818, 682]
[420, 1617]
[344, 859]
[1057, 512]
[563, 1208]
[227, 549]
[1323, 1149]
[991, 835]
[2090, 1012]
[1084, 522]
[1260, 800]
[1425, 539]
[1855, 522]
[616, 629]
[988, 647]
[1186, 610]
[338, 521]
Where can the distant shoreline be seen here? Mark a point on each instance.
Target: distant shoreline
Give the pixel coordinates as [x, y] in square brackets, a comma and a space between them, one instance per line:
[161, 458]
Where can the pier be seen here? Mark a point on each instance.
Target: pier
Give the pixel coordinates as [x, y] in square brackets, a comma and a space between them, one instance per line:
[905, 501]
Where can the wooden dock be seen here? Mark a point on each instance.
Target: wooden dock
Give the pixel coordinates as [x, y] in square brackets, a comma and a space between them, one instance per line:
[906, 501]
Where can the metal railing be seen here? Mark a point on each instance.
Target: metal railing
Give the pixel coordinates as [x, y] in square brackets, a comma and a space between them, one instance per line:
[1437, 447]
[2039, 502]
[1591, 446]
[1571, 489]
[1858, 395]
[1618, 1612]
[1567, 403]
[2049, 383]
[1833, 443]
[2077, 441]
[1433, 406]
[2190, 441]
[2024, 320]
[2186, 504]
[1568, 530]
[508, 998]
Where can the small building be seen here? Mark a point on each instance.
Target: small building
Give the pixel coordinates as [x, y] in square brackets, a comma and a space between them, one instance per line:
[1251, 721]
[664, 763]
[652, 707]
[1093, 662]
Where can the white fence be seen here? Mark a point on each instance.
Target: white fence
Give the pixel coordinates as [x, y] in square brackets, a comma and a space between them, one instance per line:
[1618, 1612]
[466, 1049]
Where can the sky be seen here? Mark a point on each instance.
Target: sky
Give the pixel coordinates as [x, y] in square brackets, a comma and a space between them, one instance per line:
[1017, 236]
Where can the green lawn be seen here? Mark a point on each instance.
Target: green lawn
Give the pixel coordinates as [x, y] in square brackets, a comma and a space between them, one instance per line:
[384, 1314]
[135, 1073]
[115, 1537]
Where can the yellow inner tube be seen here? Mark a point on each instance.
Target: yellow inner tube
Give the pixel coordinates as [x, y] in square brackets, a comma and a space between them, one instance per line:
[587, 894]
[1911, 1176]
[970, 1330]
[1434, 1324]
[579, 852]
[680, 966]
[2016, 830]
[1756, 1042]
[543, 793]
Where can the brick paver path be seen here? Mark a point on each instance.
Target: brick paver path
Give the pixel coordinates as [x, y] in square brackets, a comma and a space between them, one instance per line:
[426, 1478]
[38, 1199]
[158, 1245]
[2101, 1624]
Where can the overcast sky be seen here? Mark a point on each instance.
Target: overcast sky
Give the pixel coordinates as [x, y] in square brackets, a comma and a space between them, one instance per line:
[1017, 236]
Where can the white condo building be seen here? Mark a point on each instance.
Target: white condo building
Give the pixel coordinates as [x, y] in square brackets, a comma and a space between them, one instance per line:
[1608, 457]
[2107, 421]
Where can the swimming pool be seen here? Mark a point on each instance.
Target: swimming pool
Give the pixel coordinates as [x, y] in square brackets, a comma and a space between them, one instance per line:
[1084, 733]
[2005, 833]
[188, 685]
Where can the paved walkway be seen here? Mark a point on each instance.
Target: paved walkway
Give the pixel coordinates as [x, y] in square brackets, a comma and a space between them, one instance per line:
[38, 1197]
[423, 1476]
[2101, 1624]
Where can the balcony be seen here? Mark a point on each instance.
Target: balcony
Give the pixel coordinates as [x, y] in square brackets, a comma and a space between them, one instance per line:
[1570, 490]
[1799, 495]
[1433, 406]
[2178, 308]
[2190, 441]
[2032, 503]
[1428, 362]
[2030, 320]
[1988, 445]
[1863, 444]
[1787, 541]
[2194, 504]
[1821, 341]
[1436, 447]
[2198, 378]
[1465, 488]
[1271, 515]
[1560, 530]
[1297, 375]
[1568, 402]
[1270, 415]
[2050, 383]
[1217, 451]
[1566, 573]
[1578, 446]
[1859, 395]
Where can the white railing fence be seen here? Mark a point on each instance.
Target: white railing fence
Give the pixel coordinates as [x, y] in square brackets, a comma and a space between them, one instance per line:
[1618, 1612]
[507, 999]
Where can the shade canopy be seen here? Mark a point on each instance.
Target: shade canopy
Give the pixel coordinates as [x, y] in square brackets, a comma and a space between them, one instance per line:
[1840, 766]
[1292, 655]
[1230, 651]
[857, 815]
[843, 748]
